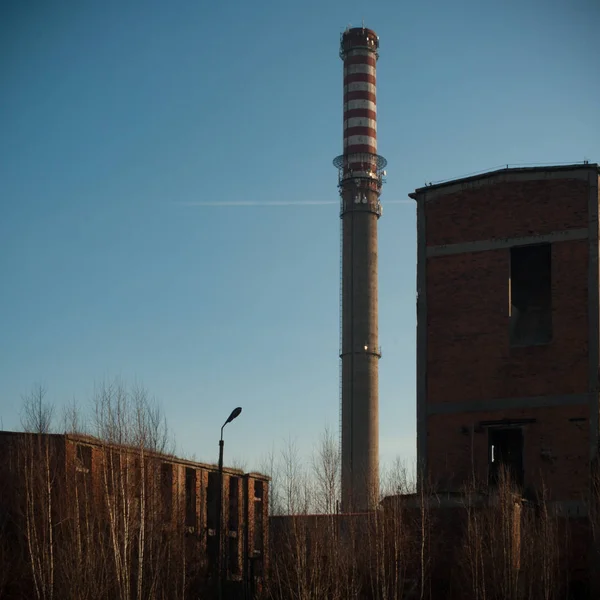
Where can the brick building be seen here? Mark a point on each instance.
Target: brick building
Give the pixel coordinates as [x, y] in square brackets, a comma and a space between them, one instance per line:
[508, 336]
[120, 492]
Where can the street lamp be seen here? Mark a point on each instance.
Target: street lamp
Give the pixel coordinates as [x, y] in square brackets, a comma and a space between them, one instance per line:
[220, 571]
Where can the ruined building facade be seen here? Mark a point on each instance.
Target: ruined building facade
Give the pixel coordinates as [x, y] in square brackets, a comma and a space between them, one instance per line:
[95, 514]
[508, 334]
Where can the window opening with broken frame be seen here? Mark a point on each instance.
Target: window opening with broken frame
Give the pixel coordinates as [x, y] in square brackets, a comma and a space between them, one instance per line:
[530, 302]
[84, 458]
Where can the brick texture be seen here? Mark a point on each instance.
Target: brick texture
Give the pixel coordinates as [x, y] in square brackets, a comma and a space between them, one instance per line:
[555, 452]
[93, 473]
[509, 209]
[468, 351]
[469, 357]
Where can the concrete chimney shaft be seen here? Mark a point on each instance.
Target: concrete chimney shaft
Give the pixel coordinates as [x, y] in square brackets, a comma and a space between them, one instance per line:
[360, 179]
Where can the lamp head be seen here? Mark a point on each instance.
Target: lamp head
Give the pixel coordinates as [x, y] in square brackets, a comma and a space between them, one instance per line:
[234, 414]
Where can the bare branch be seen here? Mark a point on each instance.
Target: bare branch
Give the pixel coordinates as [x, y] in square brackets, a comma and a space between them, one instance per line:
[36, 414]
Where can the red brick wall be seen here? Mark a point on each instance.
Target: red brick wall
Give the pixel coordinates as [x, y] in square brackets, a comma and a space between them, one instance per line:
[468, 351]
[508, 209]
[469, 357]
[555, 452]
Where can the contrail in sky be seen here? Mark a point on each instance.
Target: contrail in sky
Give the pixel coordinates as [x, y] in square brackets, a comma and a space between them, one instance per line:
[277, 203]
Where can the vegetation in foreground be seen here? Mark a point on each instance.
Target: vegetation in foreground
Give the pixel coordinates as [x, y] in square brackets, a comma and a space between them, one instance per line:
[486, 547]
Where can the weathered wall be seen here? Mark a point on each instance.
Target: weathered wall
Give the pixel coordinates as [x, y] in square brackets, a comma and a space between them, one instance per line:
[467, 370]
[469, 356]
[84, 479]
[507, 209]
[555, 449]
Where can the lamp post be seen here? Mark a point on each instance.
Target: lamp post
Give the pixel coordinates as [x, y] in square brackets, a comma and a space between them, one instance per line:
[220, 571]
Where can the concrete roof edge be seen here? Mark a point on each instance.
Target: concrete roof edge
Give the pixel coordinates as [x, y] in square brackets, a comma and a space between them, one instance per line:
[484, 174]
[94, 441]
[257, 475]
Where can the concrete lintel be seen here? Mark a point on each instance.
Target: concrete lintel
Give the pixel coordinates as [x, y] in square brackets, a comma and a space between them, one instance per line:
[498, 404]
[593, 316]
[499, 243]
[581, 172]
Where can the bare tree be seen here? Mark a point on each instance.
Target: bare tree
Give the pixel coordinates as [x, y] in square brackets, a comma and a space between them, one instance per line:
[326, 472]
[238, 463]
[37, 456]
[36, 414]
[269, 466]
[132, 480]
[72, 419]
[296, 489]
[493, 541]
[313, 556]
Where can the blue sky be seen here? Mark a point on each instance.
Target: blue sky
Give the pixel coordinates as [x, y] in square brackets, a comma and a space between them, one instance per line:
[115, 116]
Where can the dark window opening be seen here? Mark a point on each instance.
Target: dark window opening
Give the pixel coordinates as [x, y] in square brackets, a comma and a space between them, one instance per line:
[136, 477]
[233, 556]
[190, 497]
[84, 458]
[530, 295]
[506, 455]
[258, 490]
[167, 490]
[234, 503]
[256, 568]
[113, 472]
[83, 470]
[212, 499]
[257, 541]
[211, 550]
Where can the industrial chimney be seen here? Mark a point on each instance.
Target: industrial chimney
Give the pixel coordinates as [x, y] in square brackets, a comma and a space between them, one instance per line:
[360, 177]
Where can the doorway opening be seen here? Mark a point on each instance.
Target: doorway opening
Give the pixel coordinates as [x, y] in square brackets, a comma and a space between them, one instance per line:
[505, 447]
